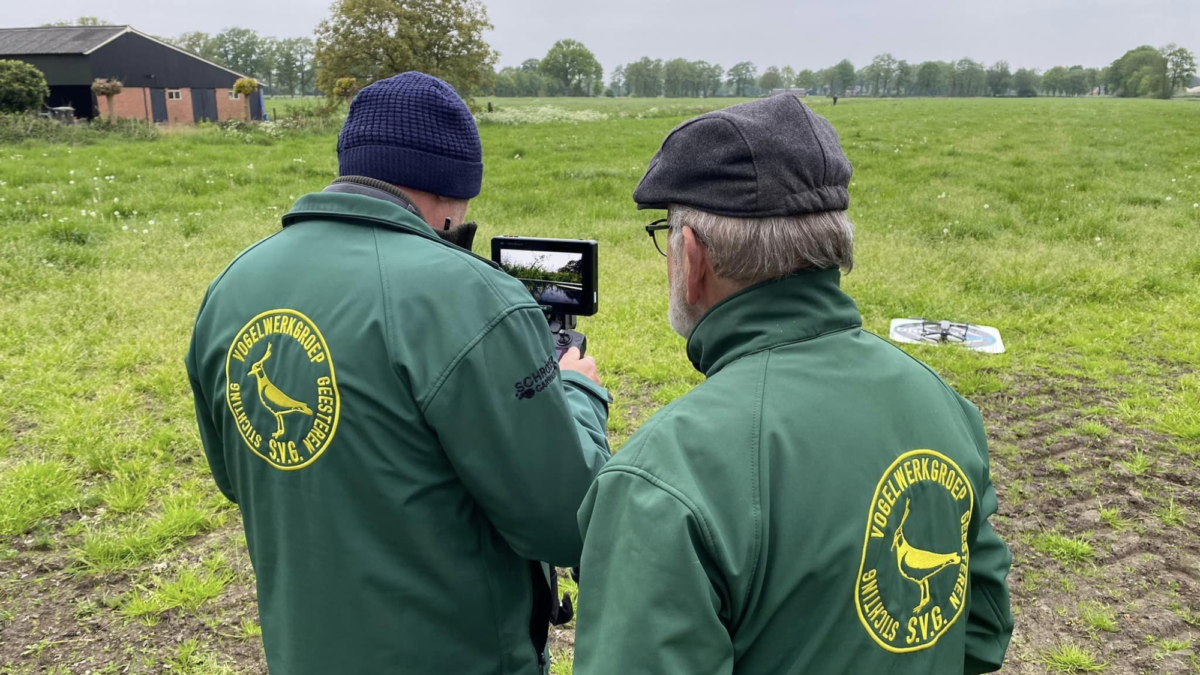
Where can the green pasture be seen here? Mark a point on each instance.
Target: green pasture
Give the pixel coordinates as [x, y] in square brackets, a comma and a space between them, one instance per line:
[1071, 225]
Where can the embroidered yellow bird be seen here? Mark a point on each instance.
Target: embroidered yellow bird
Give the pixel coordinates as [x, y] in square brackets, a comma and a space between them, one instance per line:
[273, 398]
[916, 565]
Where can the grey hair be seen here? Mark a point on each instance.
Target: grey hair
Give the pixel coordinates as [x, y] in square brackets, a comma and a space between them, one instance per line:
[753, 250]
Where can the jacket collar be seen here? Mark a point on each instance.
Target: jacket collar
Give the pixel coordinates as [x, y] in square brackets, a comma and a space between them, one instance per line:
[370, 187]
[360, 208]
[799, 307]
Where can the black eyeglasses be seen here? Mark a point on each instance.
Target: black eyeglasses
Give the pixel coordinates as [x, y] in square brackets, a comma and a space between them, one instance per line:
[653, 229]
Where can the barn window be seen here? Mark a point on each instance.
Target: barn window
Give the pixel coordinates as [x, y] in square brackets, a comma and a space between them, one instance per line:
[174, 95]
[233, 95]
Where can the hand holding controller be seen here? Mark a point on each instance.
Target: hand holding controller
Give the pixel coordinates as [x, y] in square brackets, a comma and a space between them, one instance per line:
[573, 359]
[566, 339]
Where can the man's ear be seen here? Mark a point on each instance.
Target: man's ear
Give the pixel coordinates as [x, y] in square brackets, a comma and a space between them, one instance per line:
[695, 267]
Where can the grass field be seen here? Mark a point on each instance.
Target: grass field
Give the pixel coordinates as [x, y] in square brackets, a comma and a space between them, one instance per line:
[1072, 225]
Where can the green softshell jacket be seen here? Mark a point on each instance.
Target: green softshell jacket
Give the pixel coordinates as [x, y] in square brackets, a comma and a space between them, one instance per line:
[387, 411]
[819, 505]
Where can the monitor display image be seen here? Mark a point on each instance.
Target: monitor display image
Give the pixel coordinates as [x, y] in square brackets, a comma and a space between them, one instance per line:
[552, 277]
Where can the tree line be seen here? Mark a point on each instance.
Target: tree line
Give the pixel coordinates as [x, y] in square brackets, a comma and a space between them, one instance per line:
[366, 40]
[1144, 71]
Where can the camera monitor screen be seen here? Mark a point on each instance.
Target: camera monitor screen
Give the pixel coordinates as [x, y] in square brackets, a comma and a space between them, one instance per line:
[560, 274]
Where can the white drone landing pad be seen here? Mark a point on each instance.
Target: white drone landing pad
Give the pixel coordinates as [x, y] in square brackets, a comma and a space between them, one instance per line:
[921, 332]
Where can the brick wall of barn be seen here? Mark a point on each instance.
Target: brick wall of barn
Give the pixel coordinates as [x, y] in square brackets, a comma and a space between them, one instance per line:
[131, 103]
[180, 112]
[228, 108]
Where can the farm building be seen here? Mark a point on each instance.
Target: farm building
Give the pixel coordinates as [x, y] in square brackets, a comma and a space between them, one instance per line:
[162, 83]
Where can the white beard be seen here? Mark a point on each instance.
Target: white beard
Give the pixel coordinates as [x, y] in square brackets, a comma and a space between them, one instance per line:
[683, 317]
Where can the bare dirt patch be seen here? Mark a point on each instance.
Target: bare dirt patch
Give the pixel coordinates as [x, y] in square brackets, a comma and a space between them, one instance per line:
[1102, 522]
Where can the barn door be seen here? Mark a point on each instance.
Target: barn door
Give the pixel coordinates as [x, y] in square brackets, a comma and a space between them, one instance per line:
[204, 104]
[256, 106]
[158, 105]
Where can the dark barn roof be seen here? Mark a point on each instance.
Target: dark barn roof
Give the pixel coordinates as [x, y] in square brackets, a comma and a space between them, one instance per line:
[65, 40]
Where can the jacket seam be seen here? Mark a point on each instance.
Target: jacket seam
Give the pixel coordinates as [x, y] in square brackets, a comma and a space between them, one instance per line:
[674, 492]
[961, 411]
[462, 354]
[387, 302]
[755, 477]
[228, 267]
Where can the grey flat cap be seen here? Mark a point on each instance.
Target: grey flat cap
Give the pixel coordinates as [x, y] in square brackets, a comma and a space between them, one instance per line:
[770, 157]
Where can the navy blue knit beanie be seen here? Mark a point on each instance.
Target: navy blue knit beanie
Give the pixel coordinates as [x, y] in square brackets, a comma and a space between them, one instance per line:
[412, 130]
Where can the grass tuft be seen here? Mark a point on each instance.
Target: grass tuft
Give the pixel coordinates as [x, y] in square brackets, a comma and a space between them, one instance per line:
[1071, 658]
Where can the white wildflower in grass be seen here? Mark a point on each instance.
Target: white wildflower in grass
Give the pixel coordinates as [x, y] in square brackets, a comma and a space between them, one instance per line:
[945, 230]
[117, 214]
[298, 160]
[124, 228]
[250, 166]
[45, 215]
[54, 192]
[72, 183]
[541, 115]
[1168, 199]
[152, 222]
[71, 172]
[986, 207]
[1097, 240]
[116, 199]
[92, 214]
[145, 231]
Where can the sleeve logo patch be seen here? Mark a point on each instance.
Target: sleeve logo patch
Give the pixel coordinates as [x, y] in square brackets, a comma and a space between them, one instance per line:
[281, 389]
[543, 377]
[912, 583]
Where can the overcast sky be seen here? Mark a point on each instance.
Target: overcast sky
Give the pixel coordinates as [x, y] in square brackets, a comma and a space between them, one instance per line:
[802, 34]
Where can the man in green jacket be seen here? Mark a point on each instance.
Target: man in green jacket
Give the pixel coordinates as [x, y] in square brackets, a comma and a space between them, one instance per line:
[357, 381]
[820, 504]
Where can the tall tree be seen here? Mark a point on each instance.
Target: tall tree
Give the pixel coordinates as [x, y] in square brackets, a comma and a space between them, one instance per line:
[678, 77]
[742, 75]
[293, 63]
[1140, 72]
[710, 76]
[843, 77]
[1027, 81]
[617, 81]
[931, 78]
[572, 65]
[376, 39]
[806, 80]
[771, 79]
[969, 77]
[905, 74]
[644, 77]
[1181, 65]
[1054, 82]
[239, 49]
[999, 78]
[880, 73]
[789, 76]
[199, 43]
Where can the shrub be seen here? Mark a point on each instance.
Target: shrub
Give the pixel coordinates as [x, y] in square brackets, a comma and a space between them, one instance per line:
[17, 128]
[22, 87]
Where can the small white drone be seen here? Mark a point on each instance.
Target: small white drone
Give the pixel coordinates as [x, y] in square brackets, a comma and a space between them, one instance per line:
[922, 332]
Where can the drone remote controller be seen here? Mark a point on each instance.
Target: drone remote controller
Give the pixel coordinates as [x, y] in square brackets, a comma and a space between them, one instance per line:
[566, 338]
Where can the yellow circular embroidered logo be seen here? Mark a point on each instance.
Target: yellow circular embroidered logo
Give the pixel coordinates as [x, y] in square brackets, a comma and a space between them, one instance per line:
[281, 389]
[912, 582]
